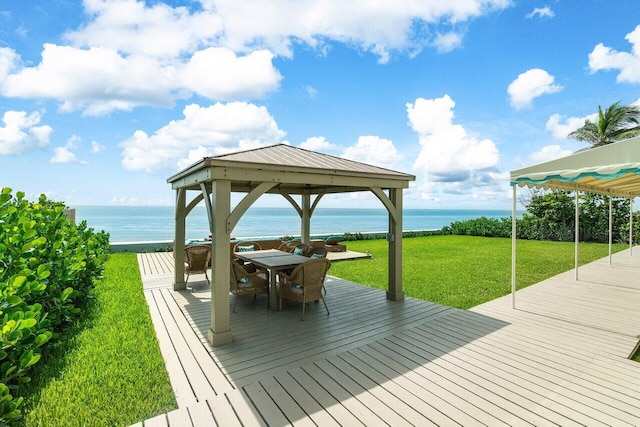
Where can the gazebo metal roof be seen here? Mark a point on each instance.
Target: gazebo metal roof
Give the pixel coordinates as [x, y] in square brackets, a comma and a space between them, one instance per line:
[294, 169]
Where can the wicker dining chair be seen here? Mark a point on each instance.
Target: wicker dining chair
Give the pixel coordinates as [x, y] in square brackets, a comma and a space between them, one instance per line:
[197, 258]
[318, 252]
[247, 247]
[243, 282]
[289, 245]
[301, 249]
[305, 282]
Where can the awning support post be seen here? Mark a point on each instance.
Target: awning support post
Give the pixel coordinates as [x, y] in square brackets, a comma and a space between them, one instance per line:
[630, 226]
[577, 231]
[610, 226]
[513, 250]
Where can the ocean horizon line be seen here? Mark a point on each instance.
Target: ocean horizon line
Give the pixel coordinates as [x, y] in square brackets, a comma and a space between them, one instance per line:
[144, 223]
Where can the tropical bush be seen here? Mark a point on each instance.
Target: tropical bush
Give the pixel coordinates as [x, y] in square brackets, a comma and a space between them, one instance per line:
[47, 269]
[355, 236]
[483, 226]
[551, 216]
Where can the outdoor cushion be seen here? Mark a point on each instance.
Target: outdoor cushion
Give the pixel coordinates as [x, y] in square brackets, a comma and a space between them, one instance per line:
[316, 256]
[298, 251]
[333, 240]
[248, 248]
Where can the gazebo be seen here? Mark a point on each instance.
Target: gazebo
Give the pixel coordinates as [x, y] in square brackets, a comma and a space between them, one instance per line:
[612, 170]
[287, 171]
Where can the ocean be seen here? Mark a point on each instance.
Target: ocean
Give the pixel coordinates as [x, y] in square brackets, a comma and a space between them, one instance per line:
[156, 223]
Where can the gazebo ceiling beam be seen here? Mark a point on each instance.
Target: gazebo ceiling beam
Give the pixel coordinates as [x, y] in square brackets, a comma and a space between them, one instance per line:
[312, 179]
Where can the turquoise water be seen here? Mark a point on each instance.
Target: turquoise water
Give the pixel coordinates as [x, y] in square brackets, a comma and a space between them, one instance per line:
[150, 223]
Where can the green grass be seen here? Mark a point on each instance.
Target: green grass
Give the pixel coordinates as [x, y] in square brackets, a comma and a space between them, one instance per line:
[464, 271]
[108, 370]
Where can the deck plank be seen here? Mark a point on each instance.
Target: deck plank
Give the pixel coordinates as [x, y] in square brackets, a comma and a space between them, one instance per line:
[200, 414]
[559, 358]
[180, 383]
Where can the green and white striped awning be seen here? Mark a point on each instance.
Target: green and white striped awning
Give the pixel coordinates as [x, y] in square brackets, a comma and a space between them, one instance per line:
[613, 169]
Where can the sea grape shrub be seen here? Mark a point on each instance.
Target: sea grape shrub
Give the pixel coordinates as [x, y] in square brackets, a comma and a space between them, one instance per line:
[483, 226]
[48, 266]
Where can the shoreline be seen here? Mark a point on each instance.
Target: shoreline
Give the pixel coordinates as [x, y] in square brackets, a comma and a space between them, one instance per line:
[152, 245]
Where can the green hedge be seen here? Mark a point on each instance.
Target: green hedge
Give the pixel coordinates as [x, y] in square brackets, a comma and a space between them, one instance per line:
[47, 270]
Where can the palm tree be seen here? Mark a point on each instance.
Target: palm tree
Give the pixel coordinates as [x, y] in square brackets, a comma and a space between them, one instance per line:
[615, 123]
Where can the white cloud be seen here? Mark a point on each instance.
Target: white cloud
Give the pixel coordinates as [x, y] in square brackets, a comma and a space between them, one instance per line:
[561, 126]
[275, 24]
[606, 58]
[9, 60]
[448, 152]
[529, 85]
[447, 42]
[204, 131]
[218, 73]
[374, 150]
[96, 147]
[20, 132]
[311, 91]
[549, 152]
[92, 79]
[541, 12]
[132, 53]
[157, 30]
[65, 155]
[318, 143]
[452, 163]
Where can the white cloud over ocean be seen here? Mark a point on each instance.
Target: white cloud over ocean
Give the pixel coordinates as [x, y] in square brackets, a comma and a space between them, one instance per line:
[451, 163]
[203, 131]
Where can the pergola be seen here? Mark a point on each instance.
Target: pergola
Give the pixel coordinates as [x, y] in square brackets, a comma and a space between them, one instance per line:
[612, 170]
[290, 172]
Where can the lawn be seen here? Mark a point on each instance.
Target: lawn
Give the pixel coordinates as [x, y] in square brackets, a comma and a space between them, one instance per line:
[108, 370]
[464, 271]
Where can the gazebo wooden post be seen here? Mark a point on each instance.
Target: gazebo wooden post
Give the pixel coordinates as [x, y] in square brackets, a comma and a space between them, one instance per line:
[394, 238]
[220, 331]
[178, 243]
[305, 226]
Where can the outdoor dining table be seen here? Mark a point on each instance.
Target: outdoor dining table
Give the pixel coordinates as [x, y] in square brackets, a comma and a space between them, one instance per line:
[273, 260]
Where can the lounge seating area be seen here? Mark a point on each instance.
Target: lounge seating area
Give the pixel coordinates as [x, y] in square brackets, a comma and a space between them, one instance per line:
[330, 243]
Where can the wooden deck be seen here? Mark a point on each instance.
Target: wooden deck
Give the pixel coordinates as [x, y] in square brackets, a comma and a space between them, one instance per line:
[560, 358]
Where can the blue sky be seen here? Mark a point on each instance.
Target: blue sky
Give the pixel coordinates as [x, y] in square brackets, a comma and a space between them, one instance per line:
[101, 101]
